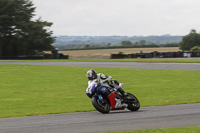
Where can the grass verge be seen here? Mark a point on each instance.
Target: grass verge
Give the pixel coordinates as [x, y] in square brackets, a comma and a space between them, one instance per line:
[194, 129]
[37, 90]
[152, 60]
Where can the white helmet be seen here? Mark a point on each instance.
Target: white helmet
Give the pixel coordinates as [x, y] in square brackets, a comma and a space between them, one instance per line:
[91, 74]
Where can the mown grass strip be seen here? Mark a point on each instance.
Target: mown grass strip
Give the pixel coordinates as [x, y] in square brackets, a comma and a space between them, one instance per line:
[37, 90]
[152, 60]
[194, 129]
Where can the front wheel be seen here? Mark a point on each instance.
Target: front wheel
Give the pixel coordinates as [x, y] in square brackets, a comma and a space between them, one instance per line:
[102, 106]
[134, 103]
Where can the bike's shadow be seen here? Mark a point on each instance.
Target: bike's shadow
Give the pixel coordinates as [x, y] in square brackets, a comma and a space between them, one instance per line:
[125, 111]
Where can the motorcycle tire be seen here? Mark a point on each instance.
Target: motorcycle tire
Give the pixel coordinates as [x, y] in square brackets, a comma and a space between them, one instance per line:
[101, 106]
[135, 105]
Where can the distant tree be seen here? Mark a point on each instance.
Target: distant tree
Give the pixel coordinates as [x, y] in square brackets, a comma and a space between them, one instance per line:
[126, 43]
[190, 40]
[19, 33]
[108, 44]
[120, 52]
[171, 45]
[87, 45]
[152, 45]
[195, 48]
[39, 37]
[142, 42]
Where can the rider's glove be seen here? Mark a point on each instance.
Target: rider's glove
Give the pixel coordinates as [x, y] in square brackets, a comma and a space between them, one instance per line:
[109, 78]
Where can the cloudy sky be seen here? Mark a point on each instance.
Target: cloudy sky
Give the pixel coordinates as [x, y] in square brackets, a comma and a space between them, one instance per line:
[120, 17]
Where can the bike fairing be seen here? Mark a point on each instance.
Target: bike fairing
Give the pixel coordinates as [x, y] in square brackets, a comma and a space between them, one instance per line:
[94, 87]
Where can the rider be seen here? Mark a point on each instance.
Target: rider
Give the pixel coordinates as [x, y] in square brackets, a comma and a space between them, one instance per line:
[103, 79]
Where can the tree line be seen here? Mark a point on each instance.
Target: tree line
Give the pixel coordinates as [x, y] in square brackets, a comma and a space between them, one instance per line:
[142, 43]
[19, 33]
[189, 42]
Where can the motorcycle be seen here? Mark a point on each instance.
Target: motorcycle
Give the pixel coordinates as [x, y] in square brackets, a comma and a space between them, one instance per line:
[104, 103]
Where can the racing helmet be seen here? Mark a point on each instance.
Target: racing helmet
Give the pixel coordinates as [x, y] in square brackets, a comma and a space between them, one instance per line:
[91, 74]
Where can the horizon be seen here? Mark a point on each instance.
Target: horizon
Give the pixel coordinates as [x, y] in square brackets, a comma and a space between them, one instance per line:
[119, 35]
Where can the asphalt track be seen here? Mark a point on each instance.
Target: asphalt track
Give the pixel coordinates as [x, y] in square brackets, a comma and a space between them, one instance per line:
[169, 66]
[92, 122]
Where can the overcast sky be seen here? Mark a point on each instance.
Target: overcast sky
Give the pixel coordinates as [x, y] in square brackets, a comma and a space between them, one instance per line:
[120, 17]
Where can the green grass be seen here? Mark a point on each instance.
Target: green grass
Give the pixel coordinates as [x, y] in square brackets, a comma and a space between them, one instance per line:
[158, 60]
[37, 90]
[152, 60]
[195, 129]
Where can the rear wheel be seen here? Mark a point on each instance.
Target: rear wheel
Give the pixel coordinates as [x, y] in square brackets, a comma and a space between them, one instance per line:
[134, 103]
[102, 106]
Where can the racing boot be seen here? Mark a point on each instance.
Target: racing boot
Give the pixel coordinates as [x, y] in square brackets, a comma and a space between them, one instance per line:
[119, 104]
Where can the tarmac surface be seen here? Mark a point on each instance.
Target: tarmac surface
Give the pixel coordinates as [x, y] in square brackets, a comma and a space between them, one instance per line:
[169, 66]
[93, 122]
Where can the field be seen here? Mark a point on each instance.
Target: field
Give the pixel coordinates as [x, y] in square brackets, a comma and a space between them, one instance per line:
[105, 53]
[27, 90]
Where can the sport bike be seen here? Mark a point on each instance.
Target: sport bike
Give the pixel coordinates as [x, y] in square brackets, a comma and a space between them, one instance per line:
[104, 102]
